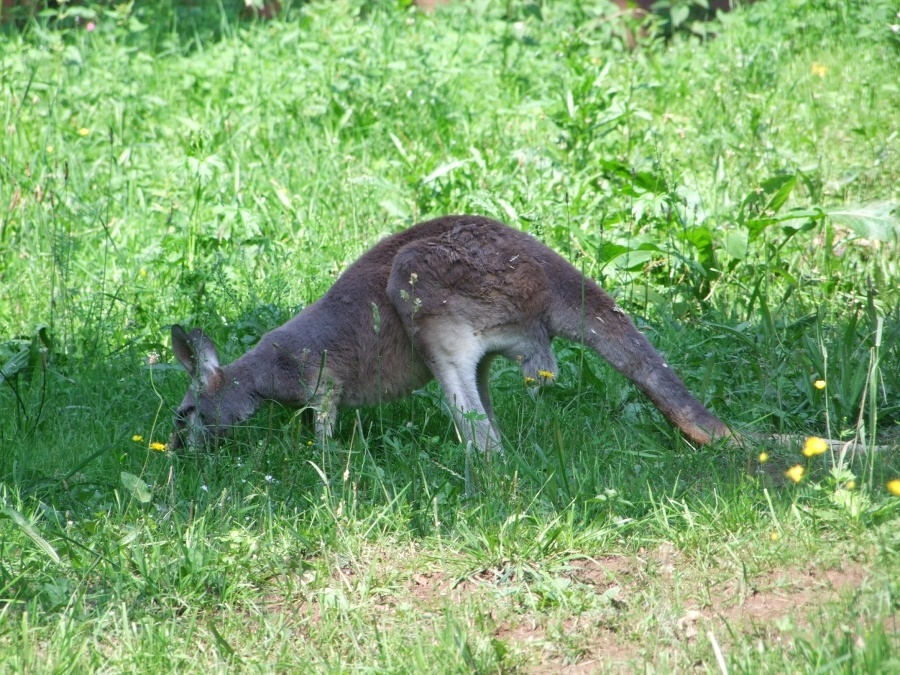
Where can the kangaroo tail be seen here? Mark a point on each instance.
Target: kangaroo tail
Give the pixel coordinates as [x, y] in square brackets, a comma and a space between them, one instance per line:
[584, 312]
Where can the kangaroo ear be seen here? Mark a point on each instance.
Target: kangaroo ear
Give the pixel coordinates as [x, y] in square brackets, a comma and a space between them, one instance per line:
[181, 345]
[198, 355]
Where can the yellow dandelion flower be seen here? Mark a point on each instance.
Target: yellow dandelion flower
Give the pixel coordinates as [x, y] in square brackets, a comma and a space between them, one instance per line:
[159, 447]
[819, 384]
[83, 132]
[529, 380]
[795, 473]
[814, 446]
[50, 149]
[143, 272]
[763, 457]
[893, 487]
[546, 374]
[819, 70]
[851, 485]
[137, 438]
[774, 536]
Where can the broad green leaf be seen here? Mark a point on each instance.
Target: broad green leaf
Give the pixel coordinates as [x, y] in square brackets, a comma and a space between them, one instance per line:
[609, 250]
[136, 486]
[814, 213]
[71, 56]
[679, 15]
[784, 274]
[735, 243]
[85, 13]
[780, 188]
[16, 363]
[791, 230]
[760, 208]
[29, 530]
[631, 260]
[396, 209]
[876, 220]
[444, 169]
[135, 26]
[701, 238]
[642, 181]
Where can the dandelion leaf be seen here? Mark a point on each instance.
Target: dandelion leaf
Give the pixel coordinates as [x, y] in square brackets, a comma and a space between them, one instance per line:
[136, 486]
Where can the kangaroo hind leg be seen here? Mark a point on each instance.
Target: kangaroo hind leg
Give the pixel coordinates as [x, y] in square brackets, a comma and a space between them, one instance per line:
[483, 379]
[454, 355]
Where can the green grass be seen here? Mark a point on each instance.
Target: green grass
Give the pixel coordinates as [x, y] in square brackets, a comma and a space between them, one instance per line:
[738, 195]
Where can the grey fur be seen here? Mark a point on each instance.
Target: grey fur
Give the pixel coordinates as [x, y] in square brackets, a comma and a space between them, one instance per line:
[451, 294]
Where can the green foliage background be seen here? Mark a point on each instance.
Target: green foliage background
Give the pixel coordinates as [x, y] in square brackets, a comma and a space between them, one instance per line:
[735, 186]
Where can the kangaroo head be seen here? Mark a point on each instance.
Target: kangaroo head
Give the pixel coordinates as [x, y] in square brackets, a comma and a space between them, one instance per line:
[212, 404]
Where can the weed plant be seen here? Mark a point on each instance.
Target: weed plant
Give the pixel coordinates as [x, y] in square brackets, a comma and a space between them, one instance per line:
[735, 186]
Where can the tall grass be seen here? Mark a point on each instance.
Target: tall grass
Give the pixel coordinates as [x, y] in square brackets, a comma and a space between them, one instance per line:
[737, 192]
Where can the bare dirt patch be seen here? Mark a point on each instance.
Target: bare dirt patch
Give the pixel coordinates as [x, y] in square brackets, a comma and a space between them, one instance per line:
[781, 593]
[602, 572]
[577, 644]
[767, 599]
[434, 588]
[525, 632]
[589, 642]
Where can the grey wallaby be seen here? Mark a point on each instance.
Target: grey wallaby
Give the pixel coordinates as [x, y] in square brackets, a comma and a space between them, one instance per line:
[439, 300]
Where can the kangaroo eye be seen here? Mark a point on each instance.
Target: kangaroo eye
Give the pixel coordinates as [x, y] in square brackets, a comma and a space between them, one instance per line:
[182, 416]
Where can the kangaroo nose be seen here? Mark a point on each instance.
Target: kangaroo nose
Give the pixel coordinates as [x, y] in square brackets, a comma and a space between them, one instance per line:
[176, 442]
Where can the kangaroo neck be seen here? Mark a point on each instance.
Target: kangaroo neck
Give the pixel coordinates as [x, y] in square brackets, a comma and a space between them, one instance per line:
[282, 367]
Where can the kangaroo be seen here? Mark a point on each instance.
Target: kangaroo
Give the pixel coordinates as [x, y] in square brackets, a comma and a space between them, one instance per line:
[439, 300]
